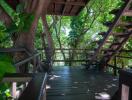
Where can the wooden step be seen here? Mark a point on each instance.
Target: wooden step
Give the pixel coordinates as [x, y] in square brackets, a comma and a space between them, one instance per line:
[115, 34]
[99, 41]
[129, 27]
[122, 35]
[127, 13]
[121, 23]
[114, 45]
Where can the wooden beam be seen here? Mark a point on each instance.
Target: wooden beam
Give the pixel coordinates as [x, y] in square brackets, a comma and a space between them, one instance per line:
[77, 3]
[13, 50]
[60, 13]
[5, 50]
[64, 8]
[17, 77]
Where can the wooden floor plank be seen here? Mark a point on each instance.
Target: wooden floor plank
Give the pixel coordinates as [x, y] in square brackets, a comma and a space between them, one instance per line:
[77, 84]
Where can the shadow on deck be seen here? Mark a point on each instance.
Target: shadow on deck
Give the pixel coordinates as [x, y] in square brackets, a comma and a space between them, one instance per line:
[78, 84]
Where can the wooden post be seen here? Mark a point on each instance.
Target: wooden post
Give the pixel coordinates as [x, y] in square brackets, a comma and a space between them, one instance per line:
[115, 66]
[34, 65]
[13, 90]
[69, 57]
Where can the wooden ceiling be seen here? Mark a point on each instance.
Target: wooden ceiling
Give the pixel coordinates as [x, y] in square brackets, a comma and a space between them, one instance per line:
[56, 7]
[66, 7]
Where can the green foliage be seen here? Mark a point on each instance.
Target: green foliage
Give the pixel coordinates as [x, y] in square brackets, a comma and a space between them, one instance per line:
[2, 31]
[38, 34]
[75, 32]
[85, 26]
[6, 63]
[6, 66]
[7, 8]
[21, 22]
[4, 91]
[20, 8]
[24, 22]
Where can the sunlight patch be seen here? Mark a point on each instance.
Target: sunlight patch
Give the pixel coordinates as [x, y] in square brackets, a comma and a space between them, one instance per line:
[48, 87]
[102, 96]
[54, 77]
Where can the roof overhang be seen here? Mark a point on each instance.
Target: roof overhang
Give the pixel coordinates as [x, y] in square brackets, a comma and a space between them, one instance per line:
[57, 7]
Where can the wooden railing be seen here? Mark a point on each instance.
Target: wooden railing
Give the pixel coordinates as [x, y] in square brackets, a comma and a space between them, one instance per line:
[115, 67]
[33, 85]
[35, 90]
[80, 55]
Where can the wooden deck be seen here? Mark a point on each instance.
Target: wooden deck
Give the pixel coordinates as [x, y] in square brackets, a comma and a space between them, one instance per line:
[77, 84]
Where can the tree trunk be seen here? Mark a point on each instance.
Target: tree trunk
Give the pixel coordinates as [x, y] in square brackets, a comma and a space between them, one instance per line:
[26, 39]
[49, 48]
[58, 34]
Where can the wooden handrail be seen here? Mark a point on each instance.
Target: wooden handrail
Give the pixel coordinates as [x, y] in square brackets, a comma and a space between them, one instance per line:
[5, 50]
[27, 59]
[70, 60]
[68, 49]
[12, 50]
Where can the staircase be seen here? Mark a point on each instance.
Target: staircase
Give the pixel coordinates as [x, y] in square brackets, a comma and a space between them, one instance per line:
[119, 38]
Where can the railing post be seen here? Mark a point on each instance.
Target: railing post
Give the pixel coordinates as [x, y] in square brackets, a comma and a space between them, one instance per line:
[34, 65]
[13, 90]
[115, 66]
